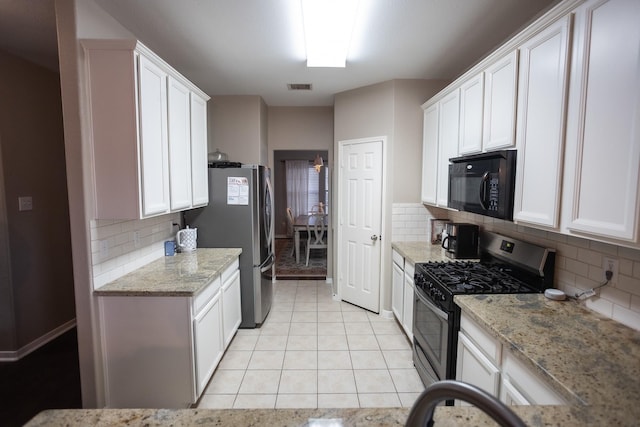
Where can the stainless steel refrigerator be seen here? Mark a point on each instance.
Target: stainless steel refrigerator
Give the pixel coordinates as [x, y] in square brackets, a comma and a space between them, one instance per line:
[240, 215]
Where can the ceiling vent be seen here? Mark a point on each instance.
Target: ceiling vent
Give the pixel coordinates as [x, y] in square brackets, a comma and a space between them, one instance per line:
[299, 86]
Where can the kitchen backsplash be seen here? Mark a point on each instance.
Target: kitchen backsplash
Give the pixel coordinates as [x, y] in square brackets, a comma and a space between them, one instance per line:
[119, 247]
[410, 223]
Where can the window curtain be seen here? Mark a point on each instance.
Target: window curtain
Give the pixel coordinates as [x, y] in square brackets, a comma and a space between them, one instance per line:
[297, 172]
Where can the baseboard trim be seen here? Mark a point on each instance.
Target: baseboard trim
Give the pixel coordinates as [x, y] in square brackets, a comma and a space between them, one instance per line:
[12, 356]
[387, 314]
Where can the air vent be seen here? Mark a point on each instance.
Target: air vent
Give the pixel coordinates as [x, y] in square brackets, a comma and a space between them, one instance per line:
[299, 86]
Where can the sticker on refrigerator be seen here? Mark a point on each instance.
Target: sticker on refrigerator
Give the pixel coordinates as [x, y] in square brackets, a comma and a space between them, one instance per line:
[237, 190]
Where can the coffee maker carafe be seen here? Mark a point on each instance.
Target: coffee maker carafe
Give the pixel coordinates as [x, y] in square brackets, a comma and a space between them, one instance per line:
[461, 240]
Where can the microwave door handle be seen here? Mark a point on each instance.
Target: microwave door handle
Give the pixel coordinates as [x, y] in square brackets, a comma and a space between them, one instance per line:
[483, 190]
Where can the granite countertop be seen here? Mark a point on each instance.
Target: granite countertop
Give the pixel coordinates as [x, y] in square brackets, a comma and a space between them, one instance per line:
[590, 360]
[417, 252]
[184, 274]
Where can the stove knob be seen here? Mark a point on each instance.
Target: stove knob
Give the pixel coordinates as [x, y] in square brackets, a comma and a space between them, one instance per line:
[443, 298]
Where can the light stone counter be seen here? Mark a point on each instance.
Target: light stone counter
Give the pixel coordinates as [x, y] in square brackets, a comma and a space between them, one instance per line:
[184, 274]
[417, 252]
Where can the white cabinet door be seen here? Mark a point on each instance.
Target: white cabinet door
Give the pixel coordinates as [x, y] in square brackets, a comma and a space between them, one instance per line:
[397, 291]
[207, 342]
[475, 368]
[544, 73]
[448, 132]
[199, 168]
[510, 395]
[471, 104]
[500, 103]
[603, 131]
[179, 145]
[231, 309]
[430, 154]
[407, 312]
[154, 161]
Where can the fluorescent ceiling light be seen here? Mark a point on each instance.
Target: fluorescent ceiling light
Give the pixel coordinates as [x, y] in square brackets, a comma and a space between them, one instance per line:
[328, 26]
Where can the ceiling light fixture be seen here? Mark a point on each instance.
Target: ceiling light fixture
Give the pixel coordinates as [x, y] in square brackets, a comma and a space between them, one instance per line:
[318, 163]
[328, 27]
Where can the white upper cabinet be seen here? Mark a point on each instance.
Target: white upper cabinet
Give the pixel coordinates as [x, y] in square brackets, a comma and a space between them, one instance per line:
[179, 145]
[199, 167]
[448, 132]
[143, 132]
[544, 72]
[600, 193]
[500, 103]
[154, 159]
[430, 154]
[471, 105]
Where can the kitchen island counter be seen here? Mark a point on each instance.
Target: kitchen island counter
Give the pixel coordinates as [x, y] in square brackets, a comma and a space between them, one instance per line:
[184, 274]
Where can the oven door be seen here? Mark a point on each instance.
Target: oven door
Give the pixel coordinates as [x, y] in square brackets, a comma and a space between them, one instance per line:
[431, 331]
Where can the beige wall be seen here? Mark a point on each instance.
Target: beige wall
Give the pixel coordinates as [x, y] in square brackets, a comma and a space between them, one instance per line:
[37, 298]
[238, 127]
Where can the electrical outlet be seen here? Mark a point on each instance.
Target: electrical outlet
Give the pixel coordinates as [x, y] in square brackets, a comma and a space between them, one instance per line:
[610, 264]
[136, 238]
[25, 203]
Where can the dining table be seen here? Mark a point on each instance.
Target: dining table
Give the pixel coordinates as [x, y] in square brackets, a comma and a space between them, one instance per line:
[300, 224]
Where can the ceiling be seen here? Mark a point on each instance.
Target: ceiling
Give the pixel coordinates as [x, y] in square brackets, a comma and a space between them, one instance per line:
[253, 47]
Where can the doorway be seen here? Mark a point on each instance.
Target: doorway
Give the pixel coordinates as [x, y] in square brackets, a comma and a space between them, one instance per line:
[311, 192]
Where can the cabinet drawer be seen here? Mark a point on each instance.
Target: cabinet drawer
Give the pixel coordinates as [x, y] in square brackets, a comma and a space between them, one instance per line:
[528, 384]
[226, 274]
[485, 342]
[398, 259]
[206, 294]
[409, 269]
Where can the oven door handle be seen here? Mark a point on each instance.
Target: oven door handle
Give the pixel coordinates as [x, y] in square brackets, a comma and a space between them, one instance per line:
[431, 305]
[483, 190]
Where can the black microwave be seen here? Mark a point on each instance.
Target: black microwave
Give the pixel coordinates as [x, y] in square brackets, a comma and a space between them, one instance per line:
[483, 183]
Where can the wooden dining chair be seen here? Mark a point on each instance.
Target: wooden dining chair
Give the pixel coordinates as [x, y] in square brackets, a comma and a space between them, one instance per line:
[316, 233]
[290, 230]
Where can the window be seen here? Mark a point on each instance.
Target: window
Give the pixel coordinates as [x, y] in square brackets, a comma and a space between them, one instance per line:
[318, 188]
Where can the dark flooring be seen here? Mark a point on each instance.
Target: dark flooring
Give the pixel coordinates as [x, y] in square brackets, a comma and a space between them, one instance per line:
[48, 378]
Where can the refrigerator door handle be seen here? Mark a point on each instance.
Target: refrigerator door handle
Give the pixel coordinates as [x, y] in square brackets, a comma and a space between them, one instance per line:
[266, 264]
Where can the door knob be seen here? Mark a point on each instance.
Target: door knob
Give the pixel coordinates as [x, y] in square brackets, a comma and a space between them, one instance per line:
[374, 237]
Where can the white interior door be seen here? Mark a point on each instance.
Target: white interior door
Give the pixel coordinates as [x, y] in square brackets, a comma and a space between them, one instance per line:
[360, 222]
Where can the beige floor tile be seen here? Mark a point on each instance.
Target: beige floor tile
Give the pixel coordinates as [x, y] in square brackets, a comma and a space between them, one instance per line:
[375, 317]
[307, 328]
[358, 328]
[332, 342]
[363, 342]
[301, 381]
[300, 359]
[260, 382]
[302, 342]
[268, 359]
[338, 400]
[243, 342]
[393, 342]
[373, 381]
[331, 328]
[279, 316]
[305, 306]
[302, 298]
[408, 399]
[398, 359]
[275, 342]
[386, 328]
[336, 381]
[354, 316]
[330, 317]
[216, 401]
[247, 332]
[406, 380]
[235, 359]
[379, 400]
[225, 382]
[304, 317]
[335, 359]
[255, 401]
[295, 401]
[328, 305]
[350, 307]
[275, 328]
[367, 359]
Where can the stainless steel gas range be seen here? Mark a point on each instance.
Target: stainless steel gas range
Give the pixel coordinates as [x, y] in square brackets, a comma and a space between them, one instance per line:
[506, 266]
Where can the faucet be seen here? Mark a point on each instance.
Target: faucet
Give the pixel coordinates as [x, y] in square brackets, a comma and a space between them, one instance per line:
[421, 414]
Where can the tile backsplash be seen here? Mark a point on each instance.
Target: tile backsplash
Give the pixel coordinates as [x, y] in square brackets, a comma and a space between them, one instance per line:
[578, 261]
[119, 247]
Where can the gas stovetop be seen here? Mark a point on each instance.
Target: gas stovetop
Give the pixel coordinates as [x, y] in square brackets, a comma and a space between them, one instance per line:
[507, 266]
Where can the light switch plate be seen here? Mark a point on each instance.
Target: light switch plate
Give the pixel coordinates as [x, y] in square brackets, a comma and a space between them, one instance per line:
[25, 203]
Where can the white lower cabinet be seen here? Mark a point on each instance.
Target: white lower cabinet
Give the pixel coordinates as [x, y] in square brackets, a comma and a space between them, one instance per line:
[402, 292]
[161, 351]
[483, 362]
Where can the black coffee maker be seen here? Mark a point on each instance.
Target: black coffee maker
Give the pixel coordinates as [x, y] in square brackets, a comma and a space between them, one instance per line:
[461, 241]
